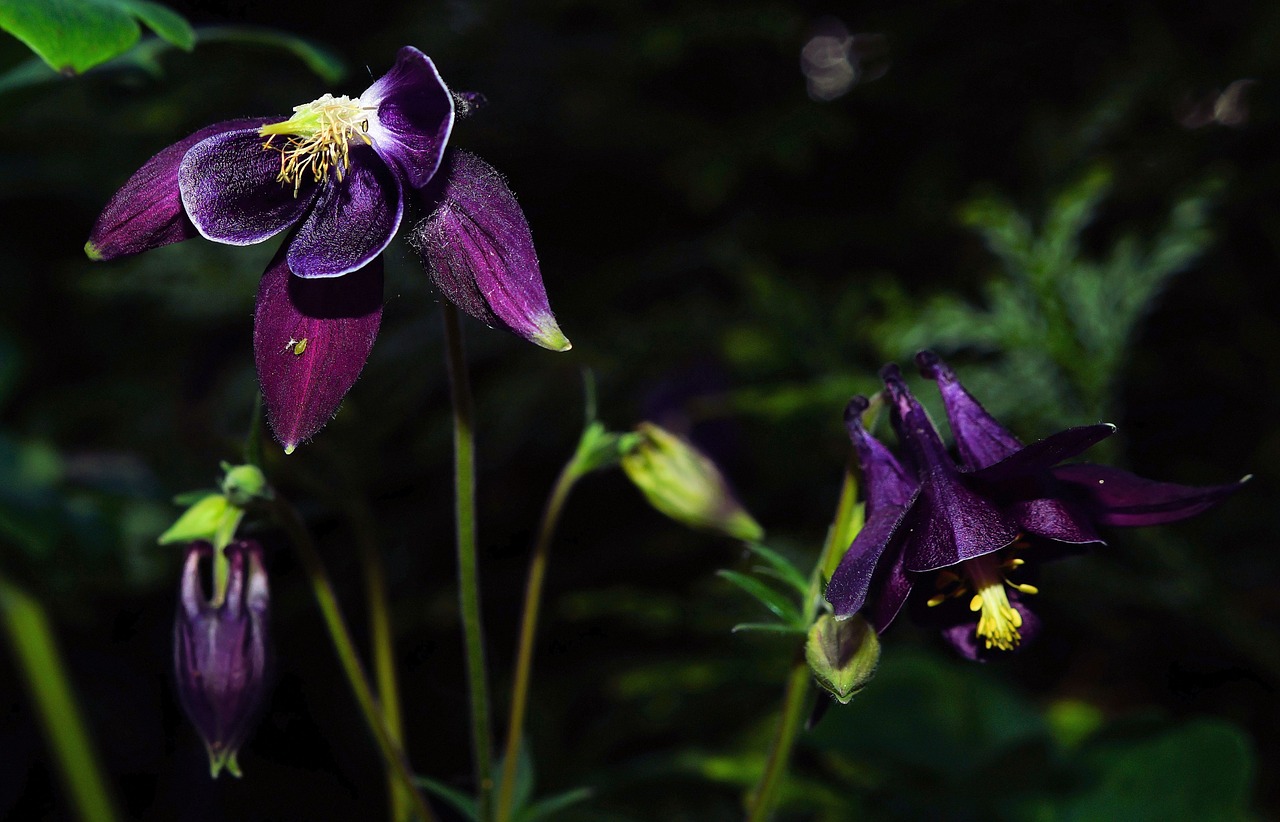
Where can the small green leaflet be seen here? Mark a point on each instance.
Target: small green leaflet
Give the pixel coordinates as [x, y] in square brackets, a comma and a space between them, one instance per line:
[73, 36]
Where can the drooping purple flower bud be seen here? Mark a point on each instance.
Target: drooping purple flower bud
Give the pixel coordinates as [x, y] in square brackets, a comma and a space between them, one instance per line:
[477, 247]
[221, 651]
[311, 339]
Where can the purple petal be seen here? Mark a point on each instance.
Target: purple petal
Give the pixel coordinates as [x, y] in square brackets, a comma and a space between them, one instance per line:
[980, 440]
[951, 521]
[352, 220]
[477, 248]
[1115, 497]
[311, 339]
[147, 212]
[230, 189]
[1054, 519]
[877, 546]
[887, 482]
[1042, 455]
[414, 116]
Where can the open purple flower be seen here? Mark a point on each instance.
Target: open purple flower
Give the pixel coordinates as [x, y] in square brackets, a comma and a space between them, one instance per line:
[972, 526]
[221, 651]
[337, 176]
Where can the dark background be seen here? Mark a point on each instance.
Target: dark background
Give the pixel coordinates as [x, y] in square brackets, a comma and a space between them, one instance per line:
[731, 257]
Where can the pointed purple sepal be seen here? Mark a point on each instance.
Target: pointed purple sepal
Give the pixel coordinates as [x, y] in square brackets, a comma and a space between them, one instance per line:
[478, 250]
[414, 115]
[350, 223]
[221, 652]
[147, 211]
[1116, 497]
[231, 191]
[311, 339]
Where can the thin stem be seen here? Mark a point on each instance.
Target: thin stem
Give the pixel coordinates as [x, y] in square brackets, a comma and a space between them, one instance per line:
[380, 635]
[468, 571]
[528, 629]
[343, 644]
[47, 683]
[764, 797]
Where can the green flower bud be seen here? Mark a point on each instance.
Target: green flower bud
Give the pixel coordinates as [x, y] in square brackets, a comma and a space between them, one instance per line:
[681, 482]
[244, 483]
[842, 653]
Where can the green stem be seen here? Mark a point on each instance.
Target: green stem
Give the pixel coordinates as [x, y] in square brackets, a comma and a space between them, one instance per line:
[528, 629]
[762, 800]
[468, 571]
[343, 644]
[384, 665]
[765, 796]
[37, 655]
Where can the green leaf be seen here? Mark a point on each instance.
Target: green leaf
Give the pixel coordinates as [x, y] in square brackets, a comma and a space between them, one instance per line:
[544, 808]
[460, 801]
[1202, 770]
[72, 36]
[327, 65]
[783, 608]
[780, 567]
[770, 627]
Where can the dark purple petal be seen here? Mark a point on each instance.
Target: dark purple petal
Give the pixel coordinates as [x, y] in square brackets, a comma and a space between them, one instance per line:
[980, 440]
[1054, 519]
[231, 193]
[352, 220]
[963, 635]
[311, 339]
[414, 115]
[887, 482]
[951, 521]
[147, 212]
[1042, 455]
[873, 560]
[1115, 497]
[477, 248]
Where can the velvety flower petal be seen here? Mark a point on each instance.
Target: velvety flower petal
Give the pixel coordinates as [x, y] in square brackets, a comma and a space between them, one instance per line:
[1055, 519]
[352, 220]
[952, 522]
[311, 339]
[890, 493]
[1041, 455]
[231, 193]
[478, 250]
[962, 635]
[147, 211]
[1115, 497]
[980, 440]
[414, 115]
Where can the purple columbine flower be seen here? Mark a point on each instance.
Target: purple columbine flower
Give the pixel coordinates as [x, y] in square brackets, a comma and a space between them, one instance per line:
[221, 651]
[971, 526]
[337, 176]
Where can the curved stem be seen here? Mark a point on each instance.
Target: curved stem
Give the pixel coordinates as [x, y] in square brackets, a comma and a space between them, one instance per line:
[528, 630]
[764, 797]
[290, 520]
[380, 636]
[37, 655]
[468, 571]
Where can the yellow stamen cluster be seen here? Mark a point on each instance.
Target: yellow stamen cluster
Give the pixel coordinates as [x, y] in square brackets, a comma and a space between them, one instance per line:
[986, 576]
[317, 138]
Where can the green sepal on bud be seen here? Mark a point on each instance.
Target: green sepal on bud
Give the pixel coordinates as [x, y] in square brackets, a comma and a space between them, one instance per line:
[842, 654]
[683, 483]
[205, 519]
[242, 484]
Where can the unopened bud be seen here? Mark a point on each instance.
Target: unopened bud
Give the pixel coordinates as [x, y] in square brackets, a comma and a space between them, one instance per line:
[221, 652]
[683, 483]
[842, 654]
